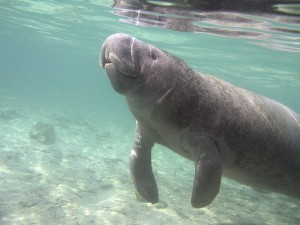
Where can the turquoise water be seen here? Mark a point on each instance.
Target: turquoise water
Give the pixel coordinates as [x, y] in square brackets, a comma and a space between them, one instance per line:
[49, 54]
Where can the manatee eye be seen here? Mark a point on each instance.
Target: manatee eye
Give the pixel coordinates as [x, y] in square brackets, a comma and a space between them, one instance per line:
[153, 56]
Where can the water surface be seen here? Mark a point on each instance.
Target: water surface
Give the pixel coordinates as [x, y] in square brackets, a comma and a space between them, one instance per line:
[49, 52]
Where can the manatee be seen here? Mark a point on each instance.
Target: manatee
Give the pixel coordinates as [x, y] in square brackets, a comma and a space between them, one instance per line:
[224, 129]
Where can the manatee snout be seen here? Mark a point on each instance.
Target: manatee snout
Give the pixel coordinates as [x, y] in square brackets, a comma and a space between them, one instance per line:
[117, 55]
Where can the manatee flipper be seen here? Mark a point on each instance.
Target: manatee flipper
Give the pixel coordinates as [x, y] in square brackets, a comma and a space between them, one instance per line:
[208, 172]
[140, 167]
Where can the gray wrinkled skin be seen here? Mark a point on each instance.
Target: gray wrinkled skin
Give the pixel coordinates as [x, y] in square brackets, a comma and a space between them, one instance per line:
[222, 128]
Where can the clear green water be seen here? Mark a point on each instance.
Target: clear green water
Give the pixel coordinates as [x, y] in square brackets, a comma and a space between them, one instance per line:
[49, 54]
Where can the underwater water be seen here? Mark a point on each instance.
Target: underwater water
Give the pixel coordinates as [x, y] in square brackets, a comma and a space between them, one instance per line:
[50, 77]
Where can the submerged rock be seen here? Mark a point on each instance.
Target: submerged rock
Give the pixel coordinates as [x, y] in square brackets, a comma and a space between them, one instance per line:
[43, 133]
[8, 114]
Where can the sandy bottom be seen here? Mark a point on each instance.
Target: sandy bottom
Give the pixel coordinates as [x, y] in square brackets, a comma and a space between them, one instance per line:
[83, 178]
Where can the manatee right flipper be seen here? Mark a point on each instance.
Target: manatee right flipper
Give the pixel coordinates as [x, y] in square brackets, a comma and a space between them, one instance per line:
[140, 167]
[208, 172]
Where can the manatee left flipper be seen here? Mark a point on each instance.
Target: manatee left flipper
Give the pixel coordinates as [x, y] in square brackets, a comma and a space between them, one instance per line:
[208, 172]
[140, 167]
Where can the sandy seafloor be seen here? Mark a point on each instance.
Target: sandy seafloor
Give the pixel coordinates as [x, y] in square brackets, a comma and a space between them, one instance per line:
[83, 178]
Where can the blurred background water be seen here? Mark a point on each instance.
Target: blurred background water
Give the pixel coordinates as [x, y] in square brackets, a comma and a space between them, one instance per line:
[49, 51]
